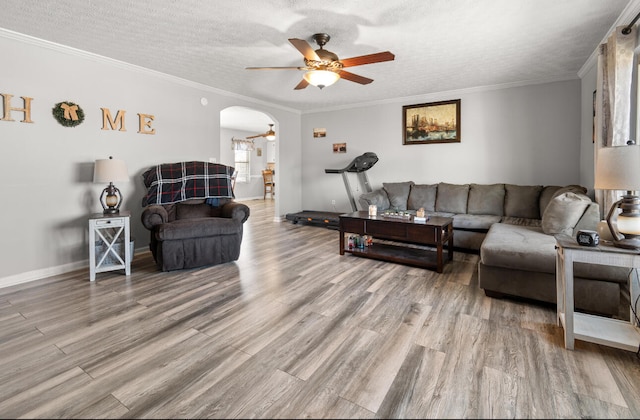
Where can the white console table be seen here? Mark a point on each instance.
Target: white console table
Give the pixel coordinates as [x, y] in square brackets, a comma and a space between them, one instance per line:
[109, 238]
[596, 329]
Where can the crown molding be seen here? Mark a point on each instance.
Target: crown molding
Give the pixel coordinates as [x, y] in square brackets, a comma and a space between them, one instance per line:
[438, 95]
[627, 15]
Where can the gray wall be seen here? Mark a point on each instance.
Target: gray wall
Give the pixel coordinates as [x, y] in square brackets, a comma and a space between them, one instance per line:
[522, 135]
[47, 169]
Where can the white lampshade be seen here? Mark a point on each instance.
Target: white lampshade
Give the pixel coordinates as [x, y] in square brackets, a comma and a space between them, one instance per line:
[110, 170]
[618, 168]
[321, 78]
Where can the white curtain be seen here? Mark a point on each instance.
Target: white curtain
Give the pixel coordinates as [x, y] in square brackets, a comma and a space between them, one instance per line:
[614, 96]
[241, 144]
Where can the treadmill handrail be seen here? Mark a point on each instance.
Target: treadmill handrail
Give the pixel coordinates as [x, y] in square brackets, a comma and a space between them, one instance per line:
[359, 164]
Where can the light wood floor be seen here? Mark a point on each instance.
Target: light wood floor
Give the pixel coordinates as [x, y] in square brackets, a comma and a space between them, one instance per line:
[294, 330]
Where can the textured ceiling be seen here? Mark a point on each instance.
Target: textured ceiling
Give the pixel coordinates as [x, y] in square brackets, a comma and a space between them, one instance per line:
[439, 45]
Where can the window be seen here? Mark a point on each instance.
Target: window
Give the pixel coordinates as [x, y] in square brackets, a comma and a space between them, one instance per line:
[242, 161]
[242, 158]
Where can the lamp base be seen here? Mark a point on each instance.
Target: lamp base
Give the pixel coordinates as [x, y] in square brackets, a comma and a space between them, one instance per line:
[111, 199]
[627, 243]
[625, 233]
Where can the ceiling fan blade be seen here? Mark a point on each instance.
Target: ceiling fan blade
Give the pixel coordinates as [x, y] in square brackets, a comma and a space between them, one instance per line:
[304, 47]
[354, 77]
[276, 68]
[256, 136]
[303, 84]
[367, 59]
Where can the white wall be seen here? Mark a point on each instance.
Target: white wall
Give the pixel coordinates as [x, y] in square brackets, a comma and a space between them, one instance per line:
[47, 169]
[525, 135]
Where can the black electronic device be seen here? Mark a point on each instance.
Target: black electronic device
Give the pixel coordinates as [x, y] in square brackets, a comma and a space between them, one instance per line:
[588, 238]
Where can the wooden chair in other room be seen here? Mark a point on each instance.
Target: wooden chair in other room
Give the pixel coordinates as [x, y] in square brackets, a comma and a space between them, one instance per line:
[269, 184]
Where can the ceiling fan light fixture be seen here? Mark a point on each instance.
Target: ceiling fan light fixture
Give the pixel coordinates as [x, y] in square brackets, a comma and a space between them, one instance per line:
[321, 78]
[270, 135]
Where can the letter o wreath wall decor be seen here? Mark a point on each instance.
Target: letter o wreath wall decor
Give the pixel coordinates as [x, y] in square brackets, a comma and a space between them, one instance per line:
[68, 114]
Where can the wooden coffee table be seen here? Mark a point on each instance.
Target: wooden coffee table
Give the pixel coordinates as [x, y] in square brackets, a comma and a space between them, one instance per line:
[436, 232]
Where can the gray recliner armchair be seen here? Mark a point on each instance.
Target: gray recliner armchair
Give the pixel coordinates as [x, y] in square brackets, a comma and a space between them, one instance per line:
[193, 233]
[190, 212]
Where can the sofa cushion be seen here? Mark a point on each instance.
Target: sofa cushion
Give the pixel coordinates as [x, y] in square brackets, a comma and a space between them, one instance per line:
[550, 192]
[422, 195]
[479, 222]
[441, 214]
[528, 248]
[522, 201]
[192, 210]
[519, 247]
[546, 195]
[398, 193]
[563, 212]
[452, 198]
[486, 199]
[521, 221]
[197, 228]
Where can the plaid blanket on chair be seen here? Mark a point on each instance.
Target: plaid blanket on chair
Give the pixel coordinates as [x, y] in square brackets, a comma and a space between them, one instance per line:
[173, 182]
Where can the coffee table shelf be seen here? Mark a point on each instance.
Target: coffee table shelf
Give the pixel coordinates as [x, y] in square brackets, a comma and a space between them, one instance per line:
[436, 232]
[424, 258]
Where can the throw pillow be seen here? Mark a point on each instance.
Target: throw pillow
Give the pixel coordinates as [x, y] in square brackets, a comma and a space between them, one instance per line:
[398, 193]
[550, 192]
[486, 199]
[563, 213]
[377, 197]
[422, 196]
[522, 201]
[452, 198]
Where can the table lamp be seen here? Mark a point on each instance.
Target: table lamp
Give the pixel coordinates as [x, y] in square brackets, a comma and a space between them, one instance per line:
[109, 171]
[618, 168]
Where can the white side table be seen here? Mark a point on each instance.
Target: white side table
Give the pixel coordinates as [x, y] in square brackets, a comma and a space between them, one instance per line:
[596, 329]
[109, 237]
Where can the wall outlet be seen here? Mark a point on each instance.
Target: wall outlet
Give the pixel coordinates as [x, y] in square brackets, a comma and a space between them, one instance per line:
[333, 202]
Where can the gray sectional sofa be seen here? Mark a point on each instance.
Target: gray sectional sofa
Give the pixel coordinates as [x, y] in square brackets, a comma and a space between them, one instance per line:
[513, 228]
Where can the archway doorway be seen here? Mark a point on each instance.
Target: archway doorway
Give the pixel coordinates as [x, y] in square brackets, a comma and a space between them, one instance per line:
[239, 123]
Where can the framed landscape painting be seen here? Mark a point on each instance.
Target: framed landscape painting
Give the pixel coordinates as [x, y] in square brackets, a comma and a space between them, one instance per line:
[435, 122]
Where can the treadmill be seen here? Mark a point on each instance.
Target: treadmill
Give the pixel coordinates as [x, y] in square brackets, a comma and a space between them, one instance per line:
[360, 165]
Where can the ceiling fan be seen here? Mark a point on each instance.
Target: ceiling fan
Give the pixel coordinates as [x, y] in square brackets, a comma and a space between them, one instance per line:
[324, 68]
[270, 134]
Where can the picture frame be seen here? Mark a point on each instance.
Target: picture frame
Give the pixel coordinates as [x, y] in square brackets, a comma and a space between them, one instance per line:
[339, 147]
[433, 122]
[319, 132]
